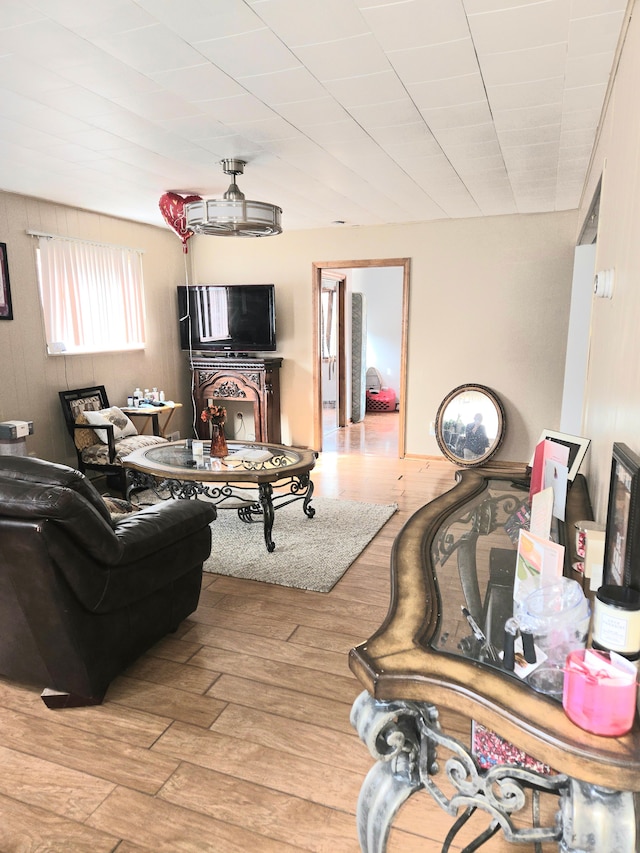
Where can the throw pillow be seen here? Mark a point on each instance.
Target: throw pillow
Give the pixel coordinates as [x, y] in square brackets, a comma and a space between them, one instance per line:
[84, 438]
[118, 506]
[122, 425]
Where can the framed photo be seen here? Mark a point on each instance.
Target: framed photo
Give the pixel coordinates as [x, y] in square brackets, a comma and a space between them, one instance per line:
[6, 311]
[622, 542]
[577, 445]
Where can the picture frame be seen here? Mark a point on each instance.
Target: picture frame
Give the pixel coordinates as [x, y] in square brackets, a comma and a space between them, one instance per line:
[577, 445]
[622, 537]
[6, 309]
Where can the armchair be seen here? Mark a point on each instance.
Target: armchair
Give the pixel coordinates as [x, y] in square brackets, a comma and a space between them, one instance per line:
[82, 596]
[101, 449]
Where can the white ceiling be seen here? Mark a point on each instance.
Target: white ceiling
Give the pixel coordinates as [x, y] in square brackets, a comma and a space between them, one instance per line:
[366, 111]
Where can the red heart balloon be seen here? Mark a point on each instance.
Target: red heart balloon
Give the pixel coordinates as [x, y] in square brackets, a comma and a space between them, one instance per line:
[172, 208]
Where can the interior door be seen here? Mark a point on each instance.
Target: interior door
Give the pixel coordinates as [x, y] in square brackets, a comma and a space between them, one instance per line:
[323, 270]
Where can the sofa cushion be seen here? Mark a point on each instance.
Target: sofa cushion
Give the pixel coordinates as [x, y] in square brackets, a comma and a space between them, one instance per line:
[119, 506]
[84, 437]
[92, 403]
[122, 425]
[98, 454]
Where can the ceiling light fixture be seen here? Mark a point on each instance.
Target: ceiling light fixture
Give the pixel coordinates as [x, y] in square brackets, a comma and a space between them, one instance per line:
[233, 215]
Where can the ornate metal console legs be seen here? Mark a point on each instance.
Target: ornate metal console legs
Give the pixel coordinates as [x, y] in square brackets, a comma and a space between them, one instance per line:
[403, 737]
[595, 819]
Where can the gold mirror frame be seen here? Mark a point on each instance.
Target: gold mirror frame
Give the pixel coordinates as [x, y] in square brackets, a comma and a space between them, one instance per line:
[456, 414]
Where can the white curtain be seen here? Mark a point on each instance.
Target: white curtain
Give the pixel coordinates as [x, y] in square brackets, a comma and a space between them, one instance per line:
[92, 296]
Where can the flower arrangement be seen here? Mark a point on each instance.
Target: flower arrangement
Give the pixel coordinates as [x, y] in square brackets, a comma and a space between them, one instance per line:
[214, 415]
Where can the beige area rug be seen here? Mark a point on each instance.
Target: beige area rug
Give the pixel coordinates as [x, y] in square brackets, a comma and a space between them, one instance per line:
[310, 553]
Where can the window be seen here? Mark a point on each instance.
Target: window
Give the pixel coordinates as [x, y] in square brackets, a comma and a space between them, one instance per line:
[92, 296]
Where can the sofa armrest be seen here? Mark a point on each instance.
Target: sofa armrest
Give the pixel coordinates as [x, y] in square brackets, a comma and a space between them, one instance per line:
[154, 527]
[154, 547]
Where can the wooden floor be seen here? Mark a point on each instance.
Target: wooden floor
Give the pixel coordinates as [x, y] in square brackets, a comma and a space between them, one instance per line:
[234, 734]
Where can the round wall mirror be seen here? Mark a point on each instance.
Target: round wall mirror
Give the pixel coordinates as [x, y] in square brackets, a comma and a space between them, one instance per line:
[470, 425]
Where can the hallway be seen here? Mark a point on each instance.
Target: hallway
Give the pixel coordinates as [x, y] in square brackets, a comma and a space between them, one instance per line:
[376, 435]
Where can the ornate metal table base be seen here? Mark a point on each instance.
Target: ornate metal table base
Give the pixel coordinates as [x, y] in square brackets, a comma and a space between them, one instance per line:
[404, 736]
[291, 489]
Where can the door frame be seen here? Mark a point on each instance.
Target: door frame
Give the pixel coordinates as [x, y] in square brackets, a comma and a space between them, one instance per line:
[317, 271]
[340, 289]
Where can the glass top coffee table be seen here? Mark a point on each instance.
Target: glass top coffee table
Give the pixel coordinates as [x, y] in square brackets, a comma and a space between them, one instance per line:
[244, 480]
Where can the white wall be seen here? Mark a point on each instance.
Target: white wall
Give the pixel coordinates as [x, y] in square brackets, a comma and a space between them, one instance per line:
[575, 371]
[489, 304]
[612, 412]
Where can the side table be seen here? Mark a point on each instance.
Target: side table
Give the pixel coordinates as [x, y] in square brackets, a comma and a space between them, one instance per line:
[424, 657]
[152, 413]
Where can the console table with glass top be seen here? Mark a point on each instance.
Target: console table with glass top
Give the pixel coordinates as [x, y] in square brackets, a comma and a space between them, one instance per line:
[229, 483]
[454, 553]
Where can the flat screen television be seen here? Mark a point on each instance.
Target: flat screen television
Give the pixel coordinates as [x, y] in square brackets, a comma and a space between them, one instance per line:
[227, 318]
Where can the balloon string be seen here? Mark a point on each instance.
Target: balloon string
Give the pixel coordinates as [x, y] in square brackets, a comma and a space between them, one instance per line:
[186, 265]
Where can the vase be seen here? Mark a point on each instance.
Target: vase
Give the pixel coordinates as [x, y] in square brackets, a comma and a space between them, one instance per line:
[218, 442]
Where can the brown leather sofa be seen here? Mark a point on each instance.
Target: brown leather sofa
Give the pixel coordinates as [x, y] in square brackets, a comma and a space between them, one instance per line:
[82, 596]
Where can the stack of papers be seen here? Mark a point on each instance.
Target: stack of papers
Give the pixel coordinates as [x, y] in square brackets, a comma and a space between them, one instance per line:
[248, 454]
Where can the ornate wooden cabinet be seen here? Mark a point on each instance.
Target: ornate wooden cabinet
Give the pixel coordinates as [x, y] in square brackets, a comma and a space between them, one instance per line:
[249, 388]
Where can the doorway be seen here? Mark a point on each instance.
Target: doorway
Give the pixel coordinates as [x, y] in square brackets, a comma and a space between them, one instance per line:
[327, 276]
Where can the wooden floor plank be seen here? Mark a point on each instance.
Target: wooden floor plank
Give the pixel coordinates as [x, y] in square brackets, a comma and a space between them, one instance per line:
[28, 829]
[174, 829]
[318, 710]
[301, 678]
[105, 758]
[330, 640]
[106, 720]
[279, 816]
[273, 650]
[251, 762]
[69, 793]
[191, 679]
[165, 701]
[249, 623]
[305, 740]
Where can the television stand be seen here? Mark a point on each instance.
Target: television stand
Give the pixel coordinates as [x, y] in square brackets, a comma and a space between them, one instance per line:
[249, 389]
